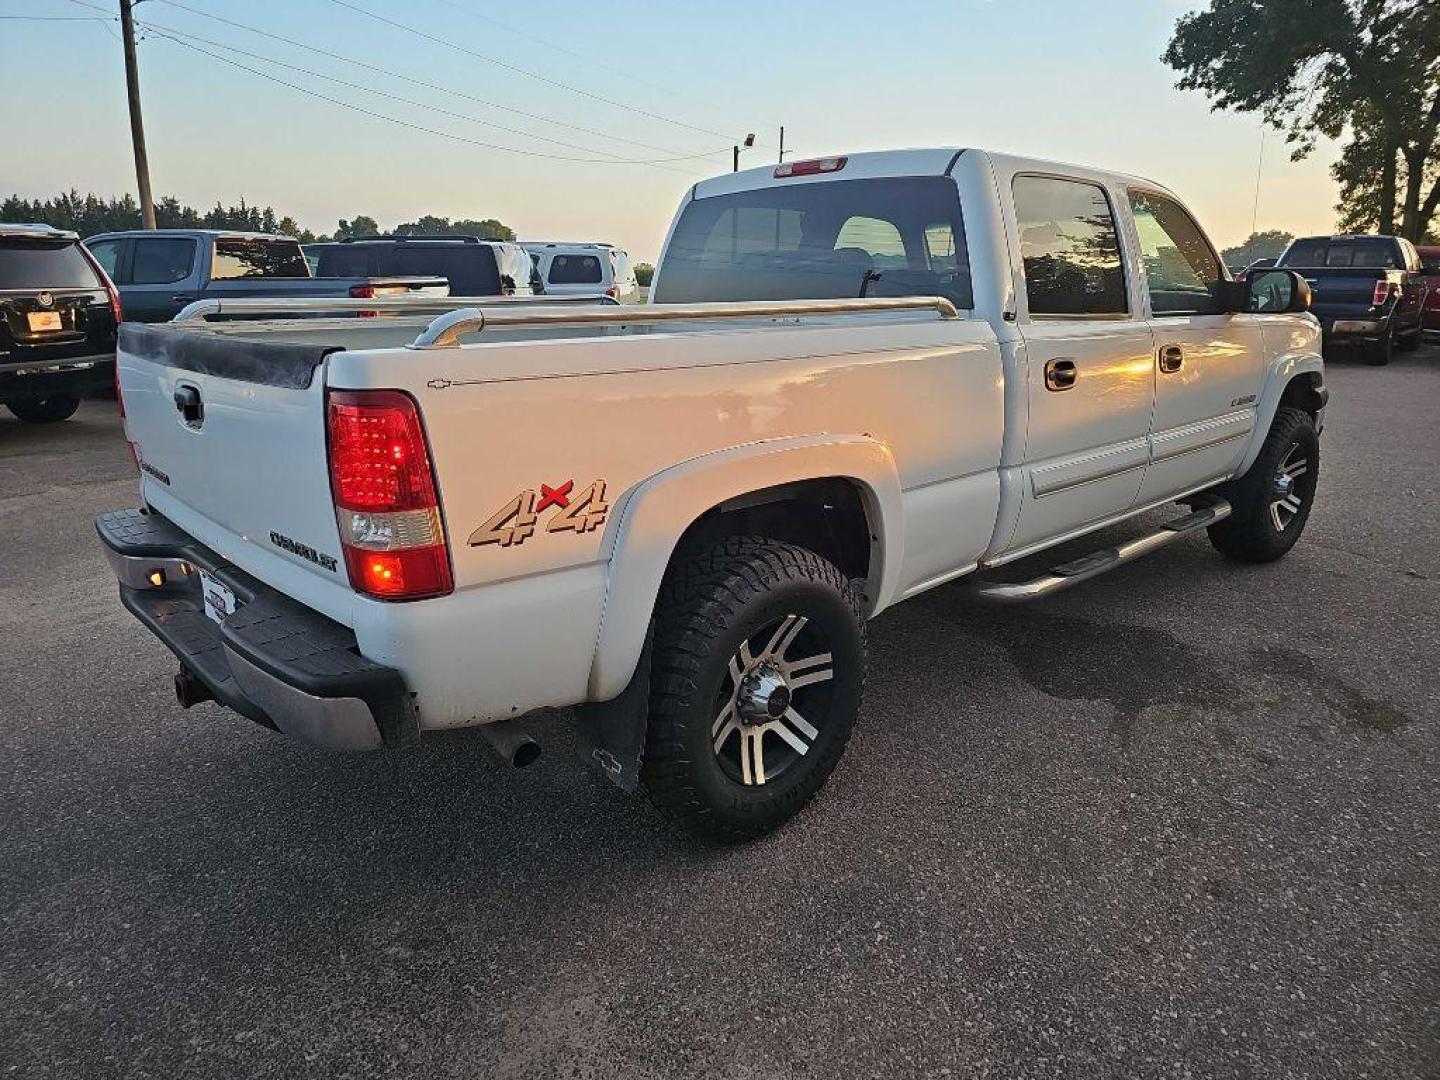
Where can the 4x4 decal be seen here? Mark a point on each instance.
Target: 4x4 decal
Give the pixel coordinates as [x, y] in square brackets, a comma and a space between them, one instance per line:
[516, 521]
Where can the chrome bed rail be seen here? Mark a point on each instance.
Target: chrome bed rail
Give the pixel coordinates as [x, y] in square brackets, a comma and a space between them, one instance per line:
[446, 331]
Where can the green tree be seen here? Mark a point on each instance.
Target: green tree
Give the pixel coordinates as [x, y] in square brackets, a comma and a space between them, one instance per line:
[362, 225]
[644, 274]
[1316, 68]
[485, 229]
[1259, 245]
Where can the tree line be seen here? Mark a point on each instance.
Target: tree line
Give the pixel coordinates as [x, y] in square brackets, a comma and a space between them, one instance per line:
[90, 214]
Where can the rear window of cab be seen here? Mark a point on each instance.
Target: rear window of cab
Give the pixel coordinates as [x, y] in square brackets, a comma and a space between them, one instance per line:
[834, 239]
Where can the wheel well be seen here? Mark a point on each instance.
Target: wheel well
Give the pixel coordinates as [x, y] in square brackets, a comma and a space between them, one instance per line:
[1305, 391]
[828, 516]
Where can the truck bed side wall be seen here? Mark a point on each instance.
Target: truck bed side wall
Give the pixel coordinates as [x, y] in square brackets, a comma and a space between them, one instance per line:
[622, 410]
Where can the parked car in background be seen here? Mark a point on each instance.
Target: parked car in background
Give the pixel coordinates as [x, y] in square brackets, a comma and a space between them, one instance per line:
[584, 269]
[474, 267]
[1258, 264]
[1430, 272]
[684, 533]
[160, 271]
[1365, 290]
[58, 314]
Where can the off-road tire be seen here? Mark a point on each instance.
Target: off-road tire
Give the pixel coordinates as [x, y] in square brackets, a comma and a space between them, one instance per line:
[1249, 534]
[49, 410]
[716, 596]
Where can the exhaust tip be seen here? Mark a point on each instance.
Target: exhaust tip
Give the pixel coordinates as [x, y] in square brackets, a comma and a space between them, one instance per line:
[527, 753]
[189, 690]
[515, 748]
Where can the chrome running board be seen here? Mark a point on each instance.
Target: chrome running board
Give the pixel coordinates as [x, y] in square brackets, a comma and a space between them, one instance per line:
[1104, 560]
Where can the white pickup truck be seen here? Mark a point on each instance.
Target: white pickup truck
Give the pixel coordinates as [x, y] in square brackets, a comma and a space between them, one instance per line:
[859, 378]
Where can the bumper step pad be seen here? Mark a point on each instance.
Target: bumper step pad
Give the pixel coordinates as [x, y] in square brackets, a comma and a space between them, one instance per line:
[301, 661]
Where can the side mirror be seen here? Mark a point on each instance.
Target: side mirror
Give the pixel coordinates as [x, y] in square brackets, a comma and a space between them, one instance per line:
[1274, 292]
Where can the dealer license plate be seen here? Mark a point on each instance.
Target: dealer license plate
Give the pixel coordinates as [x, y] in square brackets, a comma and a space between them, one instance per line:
[43, 320]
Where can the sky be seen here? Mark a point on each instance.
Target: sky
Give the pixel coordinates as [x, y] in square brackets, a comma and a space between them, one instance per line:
[1070, 80]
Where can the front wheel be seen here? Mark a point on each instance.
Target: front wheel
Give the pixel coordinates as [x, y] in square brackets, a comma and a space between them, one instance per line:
[758, 667]
[1271, 502]
[49, 410]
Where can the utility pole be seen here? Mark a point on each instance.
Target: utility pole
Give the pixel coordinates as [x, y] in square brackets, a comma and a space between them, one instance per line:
[137, 126]
[782, 144]
[746, 145]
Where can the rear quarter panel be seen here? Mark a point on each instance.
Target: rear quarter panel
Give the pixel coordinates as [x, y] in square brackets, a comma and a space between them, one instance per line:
[617, 411]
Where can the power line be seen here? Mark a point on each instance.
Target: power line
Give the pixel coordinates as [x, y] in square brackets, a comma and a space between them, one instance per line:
[402, 77]
[523, 71]
[629, 76]
[169, 31]
[58, 18]
[382, 116]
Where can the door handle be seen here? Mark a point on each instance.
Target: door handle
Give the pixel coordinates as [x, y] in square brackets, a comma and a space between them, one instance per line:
[1172, 359]
[1060, 373]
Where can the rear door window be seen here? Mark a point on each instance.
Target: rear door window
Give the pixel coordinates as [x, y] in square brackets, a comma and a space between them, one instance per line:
[1070, 247]
[161, 260]
[575, 270]
[30, 264]
[821, 240]
[245, 258]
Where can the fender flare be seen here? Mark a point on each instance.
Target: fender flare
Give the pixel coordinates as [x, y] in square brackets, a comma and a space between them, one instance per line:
[1283, 371]
[655, 513]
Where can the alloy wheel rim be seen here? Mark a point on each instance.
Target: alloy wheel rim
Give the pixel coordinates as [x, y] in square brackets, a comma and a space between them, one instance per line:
[1285, 498]
[772, 706]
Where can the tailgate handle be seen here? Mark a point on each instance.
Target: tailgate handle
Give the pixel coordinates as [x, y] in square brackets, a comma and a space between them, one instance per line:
[189, 405]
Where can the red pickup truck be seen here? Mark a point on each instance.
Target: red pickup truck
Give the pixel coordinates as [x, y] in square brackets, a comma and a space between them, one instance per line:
[1430, 268]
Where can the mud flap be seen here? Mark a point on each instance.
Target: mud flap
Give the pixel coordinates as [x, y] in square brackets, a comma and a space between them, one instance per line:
[611, 734]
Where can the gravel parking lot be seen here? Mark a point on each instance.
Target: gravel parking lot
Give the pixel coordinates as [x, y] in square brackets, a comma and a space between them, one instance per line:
[1179, 822]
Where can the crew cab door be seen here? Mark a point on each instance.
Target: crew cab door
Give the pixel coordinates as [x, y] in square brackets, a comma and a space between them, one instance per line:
[160, 277]
[1089, 375]
[1208, 362]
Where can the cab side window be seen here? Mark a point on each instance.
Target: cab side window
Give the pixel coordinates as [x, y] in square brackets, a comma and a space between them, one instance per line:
[1182, 271]
[1070, 247]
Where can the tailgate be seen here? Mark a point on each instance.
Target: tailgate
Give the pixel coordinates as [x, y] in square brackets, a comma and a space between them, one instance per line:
[1347, 290]
[230, 434]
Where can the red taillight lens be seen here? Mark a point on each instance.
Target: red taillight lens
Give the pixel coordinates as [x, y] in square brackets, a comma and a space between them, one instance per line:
[613, 292]
[362, 292]
[1382, 294]
[385, 498]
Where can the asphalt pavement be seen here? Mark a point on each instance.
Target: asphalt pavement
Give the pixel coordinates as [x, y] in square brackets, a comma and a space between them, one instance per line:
[1179, 822]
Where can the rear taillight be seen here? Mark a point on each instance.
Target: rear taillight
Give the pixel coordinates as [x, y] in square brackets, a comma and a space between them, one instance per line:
[613, 292]
[362, 292]
[1382, 294]
[385, 496]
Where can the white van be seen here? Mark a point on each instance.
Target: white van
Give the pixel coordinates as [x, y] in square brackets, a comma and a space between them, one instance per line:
[584, 270]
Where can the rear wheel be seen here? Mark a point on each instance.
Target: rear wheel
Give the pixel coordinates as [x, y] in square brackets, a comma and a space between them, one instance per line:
[1271, 502]
[758, 667]
[49, 410]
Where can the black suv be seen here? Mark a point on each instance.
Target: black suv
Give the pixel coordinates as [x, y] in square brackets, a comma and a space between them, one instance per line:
[58, 314]
[473, 266]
